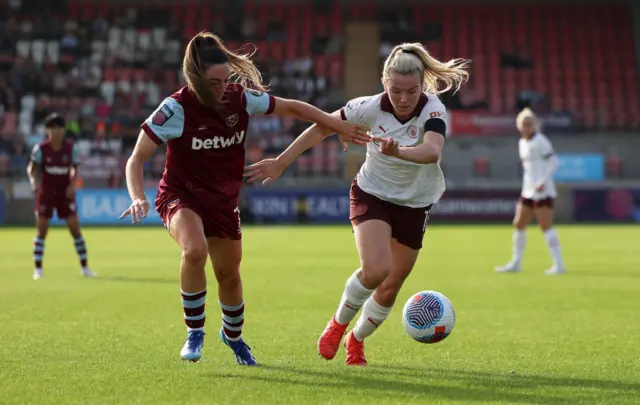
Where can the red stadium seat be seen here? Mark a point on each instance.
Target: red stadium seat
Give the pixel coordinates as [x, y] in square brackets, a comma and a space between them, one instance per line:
[10, 123]
[480, 167]
[303, 164]
[335, 69]
[124, 74]
[320, 65]
[336, 23]
[317, 161]
[614, 166]
[333, 150]
[276, 52]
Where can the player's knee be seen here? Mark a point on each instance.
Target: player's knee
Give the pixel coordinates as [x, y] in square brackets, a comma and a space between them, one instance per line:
[195, 254]
[519, 223]
[228, 278]
[545, 227]
[374, 272]
[386, 294]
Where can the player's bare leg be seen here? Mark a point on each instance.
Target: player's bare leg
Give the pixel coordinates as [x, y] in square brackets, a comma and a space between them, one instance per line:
[226, 255]
[373, 242]
[377, 308]
[544, 216]
[522, 218]
[187, 230]
[42, 228]
[81, 247]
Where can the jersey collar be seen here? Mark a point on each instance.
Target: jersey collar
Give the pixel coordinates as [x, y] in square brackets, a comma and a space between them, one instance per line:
[386, 106]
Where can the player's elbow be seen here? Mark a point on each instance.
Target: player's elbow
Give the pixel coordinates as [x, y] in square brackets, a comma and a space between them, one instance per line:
[135, 162]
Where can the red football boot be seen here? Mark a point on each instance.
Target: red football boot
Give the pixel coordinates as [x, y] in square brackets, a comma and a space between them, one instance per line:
[355, 351]
[329, 341]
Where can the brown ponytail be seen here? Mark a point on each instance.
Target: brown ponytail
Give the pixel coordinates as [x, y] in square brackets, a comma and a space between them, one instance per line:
[206, 49]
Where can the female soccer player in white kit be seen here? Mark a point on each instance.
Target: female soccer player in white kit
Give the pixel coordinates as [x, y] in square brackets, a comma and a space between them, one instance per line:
[538, 193]
[394, 190]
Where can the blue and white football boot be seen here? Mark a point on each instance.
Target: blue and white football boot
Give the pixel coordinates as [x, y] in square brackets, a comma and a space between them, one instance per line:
[244, 357]
[192, 349]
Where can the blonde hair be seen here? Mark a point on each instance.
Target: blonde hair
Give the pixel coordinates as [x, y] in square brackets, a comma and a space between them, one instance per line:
[437, 77]
[527, 113]
[206, 49]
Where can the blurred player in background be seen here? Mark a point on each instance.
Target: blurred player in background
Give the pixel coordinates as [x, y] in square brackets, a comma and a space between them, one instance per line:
[205, 126]
[55, 161]
[392, 194]
[538, 193]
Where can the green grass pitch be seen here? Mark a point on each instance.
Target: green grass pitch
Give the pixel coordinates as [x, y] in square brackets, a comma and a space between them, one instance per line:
[519, 339]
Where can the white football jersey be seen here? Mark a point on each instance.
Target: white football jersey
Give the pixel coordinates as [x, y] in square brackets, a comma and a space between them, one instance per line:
[389, 178]
[534, 154]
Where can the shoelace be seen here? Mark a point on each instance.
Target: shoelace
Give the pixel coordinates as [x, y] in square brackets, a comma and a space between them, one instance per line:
[195, 339]
[357, 352]
[334, 332]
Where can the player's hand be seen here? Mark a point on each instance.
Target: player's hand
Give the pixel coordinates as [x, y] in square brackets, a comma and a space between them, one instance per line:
[352, 133]
[70, 192]
[35, 188]
[387, 146]
[138, 210]
[540, 188]
[267, 169]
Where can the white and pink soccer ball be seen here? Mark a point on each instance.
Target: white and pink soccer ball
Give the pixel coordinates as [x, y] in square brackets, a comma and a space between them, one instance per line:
[428, 317]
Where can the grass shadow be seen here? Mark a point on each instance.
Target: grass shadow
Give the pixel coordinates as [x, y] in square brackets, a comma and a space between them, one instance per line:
[514, 380]
[385, 380]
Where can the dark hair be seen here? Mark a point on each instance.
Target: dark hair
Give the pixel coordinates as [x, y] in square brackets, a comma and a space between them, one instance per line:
[206, 49]
[54, 120]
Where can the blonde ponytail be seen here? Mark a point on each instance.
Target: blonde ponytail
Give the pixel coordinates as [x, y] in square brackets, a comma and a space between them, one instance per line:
[437, 77]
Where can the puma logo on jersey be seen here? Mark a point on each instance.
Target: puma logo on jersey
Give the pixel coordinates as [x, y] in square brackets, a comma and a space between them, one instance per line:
[217, 142]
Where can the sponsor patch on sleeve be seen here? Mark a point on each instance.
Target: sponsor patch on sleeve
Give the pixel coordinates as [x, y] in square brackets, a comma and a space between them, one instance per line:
[163, 115]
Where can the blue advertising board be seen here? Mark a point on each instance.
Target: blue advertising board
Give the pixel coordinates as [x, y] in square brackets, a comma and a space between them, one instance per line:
[104, 207]
[296, 205]
[576, 167]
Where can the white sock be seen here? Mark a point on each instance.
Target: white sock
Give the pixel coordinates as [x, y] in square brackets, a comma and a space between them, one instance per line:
[353, 297]
[373, 314]
[553, 243]
[519, 243]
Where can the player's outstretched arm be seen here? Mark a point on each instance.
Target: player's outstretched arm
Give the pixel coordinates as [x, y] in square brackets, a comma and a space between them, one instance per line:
[348, 131]
[271, 169]
[141, 153]
[427, 152]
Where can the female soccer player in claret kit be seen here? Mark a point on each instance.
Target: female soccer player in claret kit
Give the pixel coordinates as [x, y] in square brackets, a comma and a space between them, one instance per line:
[205, 126]
[55, 161]
[394, 190]
[538, 193]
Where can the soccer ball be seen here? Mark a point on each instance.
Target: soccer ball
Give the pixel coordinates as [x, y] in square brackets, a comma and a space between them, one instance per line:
[428, 317]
